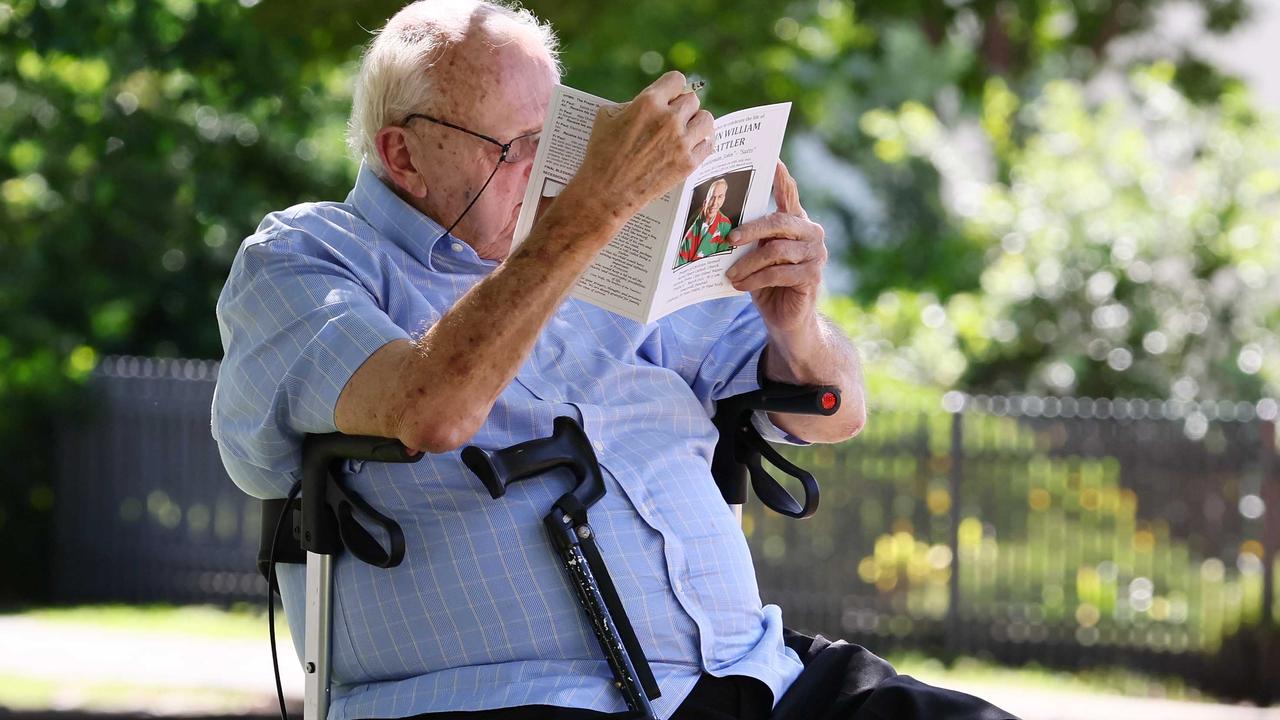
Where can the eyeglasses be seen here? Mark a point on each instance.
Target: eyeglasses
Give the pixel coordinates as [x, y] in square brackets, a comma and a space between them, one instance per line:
[521, 148]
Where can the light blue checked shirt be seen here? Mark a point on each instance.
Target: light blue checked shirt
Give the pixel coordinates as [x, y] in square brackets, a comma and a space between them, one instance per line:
[480, 614]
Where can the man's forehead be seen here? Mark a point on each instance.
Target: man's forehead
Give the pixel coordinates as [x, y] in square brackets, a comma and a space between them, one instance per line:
[508, 82]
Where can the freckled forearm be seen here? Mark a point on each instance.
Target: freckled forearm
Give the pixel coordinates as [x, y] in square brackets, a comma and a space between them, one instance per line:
[436, 392]
[484, 339]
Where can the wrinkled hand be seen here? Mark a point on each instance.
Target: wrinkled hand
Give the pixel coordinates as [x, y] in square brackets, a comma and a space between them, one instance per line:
[784, 271]
[642, 148]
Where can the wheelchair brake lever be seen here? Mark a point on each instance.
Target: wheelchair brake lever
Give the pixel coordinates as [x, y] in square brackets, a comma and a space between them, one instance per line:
[358, 540]
[770, 491]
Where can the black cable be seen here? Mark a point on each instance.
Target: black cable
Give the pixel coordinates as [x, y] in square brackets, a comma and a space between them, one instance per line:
[272, 586]
[473, 201]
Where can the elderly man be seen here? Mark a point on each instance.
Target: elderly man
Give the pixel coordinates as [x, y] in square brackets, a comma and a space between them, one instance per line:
[403, 312]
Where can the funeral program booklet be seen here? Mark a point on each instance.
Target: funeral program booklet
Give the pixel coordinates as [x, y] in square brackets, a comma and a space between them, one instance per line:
[675, 251]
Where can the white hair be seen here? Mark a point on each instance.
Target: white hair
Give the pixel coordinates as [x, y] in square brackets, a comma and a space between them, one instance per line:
[396, 77]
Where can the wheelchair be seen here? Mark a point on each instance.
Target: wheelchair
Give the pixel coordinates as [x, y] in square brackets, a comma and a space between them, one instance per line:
[320, 519]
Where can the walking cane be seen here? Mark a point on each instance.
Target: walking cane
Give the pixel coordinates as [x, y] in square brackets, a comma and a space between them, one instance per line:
[574, 541]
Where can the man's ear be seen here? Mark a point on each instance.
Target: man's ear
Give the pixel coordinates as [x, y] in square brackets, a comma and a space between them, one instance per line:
[393, 149]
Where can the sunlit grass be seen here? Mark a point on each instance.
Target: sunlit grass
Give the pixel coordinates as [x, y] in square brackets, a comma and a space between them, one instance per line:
[23, 693]
[239, 622]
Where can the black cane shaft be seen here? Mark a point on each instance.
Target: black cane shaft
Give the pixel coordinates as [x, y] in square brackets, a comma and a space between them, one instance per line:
[606, 632]
[618, 615]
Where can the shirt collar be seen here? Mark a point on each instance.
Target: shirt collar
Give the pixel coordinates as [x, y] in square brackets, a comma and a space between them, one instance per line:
[400, 222]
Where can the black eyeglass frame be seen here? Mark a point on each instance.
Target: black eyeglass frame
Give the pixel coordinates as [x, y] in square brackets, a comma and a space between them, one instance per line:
[506, 146]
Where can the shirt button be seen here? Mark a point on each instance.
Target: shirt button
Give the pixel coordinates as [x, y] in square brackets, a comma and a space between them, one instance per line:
[457, 247]
[599, 446]
[677, 586]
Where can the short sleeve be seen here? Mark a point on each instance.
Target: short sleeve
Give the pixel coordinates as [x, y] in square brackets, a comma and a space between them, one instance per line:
[297, 319]
[718, 347]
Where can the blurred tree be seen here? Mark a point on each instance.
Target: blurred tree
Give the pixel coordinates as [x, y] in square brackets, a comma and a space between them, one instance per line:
[1132, 249]
[141, 139]
[139, 142]
[1141, 241]
[837, 60]
[888, 185]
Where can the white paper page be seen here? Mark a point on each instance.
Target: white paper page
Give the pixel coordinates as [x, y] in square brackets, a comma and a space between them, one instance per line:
[623, 275]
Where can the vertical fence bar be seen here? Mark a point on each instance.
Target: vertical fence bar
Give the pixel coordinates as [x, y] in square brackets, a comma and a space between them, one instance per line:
[955, 623]
[1270, 493]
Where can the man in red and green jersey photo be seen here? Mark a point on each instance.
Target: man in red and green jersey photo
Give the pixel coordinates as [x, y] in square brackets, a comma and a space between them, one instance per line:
[708, 234]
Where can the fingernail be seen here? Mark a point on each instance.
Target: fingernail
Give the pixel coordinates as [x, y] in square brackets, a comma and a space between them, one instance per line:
[734, 237]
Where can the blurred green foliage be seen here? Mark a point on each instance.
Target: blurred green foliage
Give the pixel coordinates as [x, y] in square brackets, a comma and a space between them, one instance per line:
[140, 140]
[837, 60]
[1130, 246]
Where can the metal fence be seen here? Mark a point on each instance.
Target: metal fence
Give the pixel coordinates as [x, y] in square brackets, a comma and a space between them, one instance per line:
[1064, 532]
[145, 511]
[1067, 532]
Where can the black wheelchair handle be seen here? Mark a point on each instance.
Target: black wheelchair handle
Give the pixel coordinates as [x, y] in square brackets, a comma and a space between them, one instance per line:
[739, 458]
[339, 520]
[325, 448]
[784, 398]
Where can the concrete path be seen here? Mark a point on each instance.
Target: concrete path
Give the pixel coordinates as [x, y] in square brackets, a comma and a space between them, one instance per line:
[93, 668]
